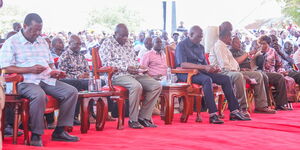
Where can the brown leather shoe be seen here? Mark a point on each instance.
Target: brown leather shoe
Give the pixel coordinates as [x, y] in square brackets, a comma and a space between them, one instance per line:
[265, 110]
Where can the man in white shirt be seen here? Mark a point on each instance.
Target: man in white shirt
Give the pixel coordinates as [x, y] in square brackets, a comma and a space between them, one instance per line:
[222, 57]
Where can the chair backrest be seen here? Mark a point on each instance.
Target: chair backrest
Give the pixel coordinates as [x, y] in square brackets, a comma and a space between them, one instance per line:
[96, 61]
[170, 56]
[98, 68]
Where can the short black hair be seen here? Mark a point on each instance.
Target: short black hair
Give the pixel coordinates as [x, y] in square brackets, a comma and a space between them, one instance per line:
[32, 17]
[224, 33]
[266, 39]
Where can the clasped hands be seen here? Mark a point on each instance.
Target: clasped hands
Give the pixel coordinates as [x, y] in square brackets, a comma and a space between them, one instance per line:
[212, 69]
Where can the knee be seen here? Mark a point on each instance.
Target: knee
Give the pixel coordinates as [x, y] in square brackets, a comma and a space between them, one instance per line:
[207, 80]
[136, 86]
[156, 86]
[238, 76]
[70, 91]
[39, 97]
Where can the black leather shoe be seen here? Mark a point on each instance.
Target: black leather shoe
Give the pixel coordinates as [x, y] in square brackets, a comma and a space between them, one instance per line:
[135, 125]
[147, 123]
[281, 108]
[9, 131]
[215, 120]
[36, 140]
[238, 116]
[64, 136]
[76, 122]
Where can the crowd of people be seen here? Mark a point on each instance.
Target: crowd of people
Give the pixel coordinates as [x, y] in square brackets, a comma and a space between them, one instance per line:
[60, 64]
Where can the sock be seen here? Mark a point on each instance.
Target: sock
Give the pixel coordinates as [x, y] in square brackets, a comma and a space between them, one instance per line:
[59, 129]
[212, 114]
[235, 111]
[35, 137]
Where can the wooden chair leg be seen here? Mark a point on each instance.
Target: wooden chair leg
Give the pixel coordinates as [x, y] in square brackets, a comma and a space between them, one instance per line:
[16, 123]
[185, 113]
[192, 101]
[221, 105]
[85, 113]
[198, 108]
[121, 103]
[102, 111]
[25, 119]
[169, 108]
[162, 107]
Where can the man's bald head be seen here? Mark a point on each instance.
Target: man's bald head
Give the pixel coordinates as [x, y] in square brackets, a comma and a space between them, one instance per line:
[121, 33]
[196, 34]
[225, 26]
[74, 43]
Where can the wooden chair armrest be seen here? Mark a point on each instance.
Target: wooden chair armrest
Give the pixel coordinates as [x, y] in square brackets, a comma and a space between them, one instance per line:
[15, 79]
[110, 72]
[189, 72]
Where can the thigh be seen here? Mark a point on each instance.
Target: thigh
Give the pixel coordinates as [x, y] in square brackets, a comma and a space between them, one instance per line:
[201, 78]
[126, 81]
[148, 83]
[30, 90]
[234, 76]
[60, 91]
[219, 78]
[252, 74]
[274, 77]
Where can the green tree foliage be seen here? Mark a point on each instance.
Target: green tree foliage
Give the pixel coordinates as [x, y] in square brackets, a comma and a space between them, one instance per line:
[9, 15]
[108, 18]
[291, 8]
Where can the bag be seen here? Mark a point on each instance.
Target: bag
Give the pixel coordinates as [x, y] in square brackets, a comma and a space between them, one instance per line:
[115, 113]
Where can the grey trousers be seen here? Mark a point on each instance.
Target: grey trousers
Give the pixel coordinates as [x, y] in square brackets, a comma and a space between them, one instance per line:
[260, 96]
[278, 81]
[239, 85]
[66, 95]
[136, 85]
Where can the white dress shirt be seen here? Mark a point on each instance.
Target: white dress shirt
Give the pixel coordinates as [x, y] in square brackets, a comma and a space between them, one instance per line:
[222, 57]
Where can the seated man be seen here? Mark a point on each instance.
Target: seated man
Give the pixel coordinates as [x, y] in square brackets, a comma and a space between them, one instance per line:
[222, 57]
[27, 53]
[117, 52]
[147, 46]
[244, 62]
[190, 55]
[155, 60]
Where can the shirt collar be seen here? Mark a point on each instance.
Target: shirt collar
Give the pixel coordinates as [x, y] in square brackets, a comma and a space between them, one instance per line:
[25, 41]
[190, 43]
[72, 52]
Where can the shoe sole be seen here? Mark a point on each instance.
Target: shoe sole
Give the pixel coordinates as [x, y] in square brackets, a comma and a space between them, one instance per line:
[55, 139]
[239, 120]
[263, 112]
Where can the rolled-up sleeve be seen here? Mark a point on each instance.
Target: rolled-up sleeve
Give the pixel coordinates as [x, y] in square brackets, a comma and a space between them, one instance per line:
[7, 55]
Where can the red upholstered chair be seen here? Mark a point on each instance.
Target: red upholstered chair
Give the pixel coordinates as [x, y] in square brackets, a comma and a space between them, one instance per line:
[51, 106]
[195, 90]
[120, 93]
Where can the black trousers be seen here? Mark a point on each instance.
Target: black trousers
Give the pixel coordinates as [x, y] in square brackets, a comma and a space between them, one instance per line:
[206, 79]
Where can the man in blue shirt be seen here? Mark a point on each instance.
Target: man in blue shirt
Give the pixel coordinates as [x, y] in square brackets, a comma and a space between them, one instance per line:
[190, 55]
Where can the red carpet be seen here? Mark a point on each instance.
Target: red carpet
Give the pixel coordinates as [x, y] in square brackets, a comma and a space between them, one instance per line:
[277, 131]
